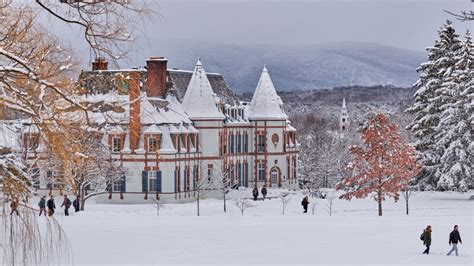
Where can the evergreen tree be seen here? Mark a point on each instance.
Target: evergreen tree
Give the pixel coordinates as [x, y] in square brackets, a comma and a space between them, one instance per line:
[429, 101]
[453, 133]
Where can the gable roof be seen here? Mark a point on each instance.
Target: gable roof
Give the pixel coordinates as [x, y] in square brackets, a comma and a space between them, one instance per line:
[266, 104]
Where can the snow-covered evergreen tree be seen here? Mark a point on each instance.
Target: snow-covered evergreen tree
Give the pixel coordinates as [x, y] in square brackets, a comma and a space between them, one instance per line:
[429, 101]
[453, 133]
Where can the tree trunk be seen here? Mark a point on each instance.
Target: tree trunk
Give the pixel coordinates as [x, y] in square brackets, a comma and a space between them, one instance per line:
[225, 209]
[406, 200]
[197, 202]
[379, 200]
[83, 198]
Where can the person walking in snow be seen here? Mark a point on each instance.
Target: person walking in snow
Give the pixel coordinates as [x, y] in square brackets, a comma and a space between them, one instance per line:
[427, 239]
[454, 238]
[305, 204]
[264, 192]
[14, 206]
[255, 193]
[42, 205]
[51, 206]
[77, 204]
[66, 204]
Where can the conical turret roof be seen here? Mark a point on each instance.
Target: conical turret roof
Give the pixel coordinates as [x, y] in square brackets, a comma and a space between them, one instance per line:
[199, 102]
[266, 104]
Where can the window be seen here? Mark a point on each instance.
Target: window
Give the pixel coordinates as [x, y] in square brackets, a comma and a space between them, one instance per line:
[231, 138]
[32, 141]
[261, 139]
[294, 167]
[239, 143]
[274, 176]
[152, 181]
[35, 175]
[116, 144]
[117, 186]
[246, 174]
[152, 144]
[209, 172]
[175, 138]
[184, 141]
[246, 142]
[261, 172]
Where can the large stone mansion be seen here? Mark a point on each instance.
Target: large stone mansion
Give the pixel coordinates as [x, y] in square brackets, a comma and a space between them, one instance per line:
[178, 122]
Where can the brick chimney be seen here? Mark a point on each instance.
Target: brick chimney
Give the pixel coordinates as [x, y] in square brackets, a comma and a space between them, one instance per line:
[134, 97]
[100, 64]
[156, 76]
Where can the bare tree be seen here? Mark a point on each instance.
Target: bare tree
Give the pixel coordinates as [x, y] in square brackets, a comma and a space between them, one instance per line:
[463, 15]
[90, 164]
[204, 182]
[222, 180]
[37, 81]
[158, 204]
[285, 198]
[242, 202]
[314, 204]
[330, 197]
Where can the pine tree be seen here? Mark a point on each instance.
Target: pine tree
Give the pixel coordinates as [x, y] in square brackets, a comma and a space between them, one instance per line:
[383, 166]
[453, 133]
[429, 100]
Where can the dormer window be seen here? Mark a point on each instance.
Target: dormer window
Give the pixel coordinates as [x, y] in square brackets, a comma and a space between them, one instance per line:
[152, 144]
[116, 144]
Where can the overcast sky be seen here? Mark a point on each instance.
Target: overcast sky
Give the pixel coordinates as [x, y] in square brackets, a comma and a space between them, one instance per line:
[409, 24]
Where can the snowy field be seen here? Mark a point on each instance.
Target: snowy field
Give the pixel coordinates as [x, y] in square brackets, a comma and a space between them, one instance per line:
[353, 235]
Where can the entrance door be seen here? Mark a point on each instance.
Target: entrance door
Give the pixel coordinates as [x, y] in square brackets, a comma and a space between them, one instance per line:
[274, 177]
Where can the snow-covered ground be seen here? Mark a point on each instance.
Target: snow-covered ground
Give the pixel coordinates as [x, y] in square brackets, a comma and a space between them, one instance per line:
[353, 235]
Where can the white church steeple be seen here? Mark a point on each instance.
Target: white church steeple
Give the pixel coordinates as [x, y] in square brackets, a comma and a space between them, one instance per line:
[344, 119]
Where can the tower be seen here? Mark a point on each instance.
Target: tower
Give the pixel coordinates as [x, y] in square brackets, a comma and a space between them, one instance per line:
[344, 119]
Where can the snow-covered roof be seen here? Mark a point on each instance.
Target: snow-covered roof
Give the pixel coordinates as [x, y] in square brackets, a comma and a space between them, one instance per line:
[166, 141]
[153, 129]
[199, 101]
[193, 130]
[161, 111]
[183, 129]
[173, 130]
[290, 128]
[344, 103]
[266, 104]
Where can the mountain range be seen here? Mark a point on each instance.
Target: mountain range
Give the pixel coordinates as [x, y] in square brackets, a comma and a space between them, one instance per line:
[306, 67]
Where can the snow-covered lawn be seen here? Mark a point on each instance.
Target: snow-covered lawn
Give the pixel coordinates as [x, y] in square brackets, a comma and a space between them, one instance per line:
[354, 234]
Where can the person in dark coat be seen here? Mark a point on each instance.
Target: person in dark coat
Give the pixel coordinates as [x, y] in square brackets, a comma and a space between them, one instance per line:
[77, 204]
[67, 205]
[305, 204]
[51, 206]
[14, 206]
[427, 239]
[255, 193]
[264, 192]
[42, 205]
[454, 238]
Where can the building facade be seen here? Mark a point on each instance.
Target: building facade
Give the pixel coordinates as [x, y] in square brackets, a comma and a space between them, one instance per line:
[179, 126]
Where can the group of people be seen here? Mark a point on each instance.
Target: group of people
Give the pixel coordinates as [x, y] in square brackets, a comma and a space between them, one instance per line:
[255, 193]
[51, 205]
[454, 239]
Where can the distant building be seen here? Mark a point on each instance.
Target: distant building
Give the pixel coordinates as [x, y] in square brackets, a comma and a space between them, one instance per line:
[179, 125]
[344, 122]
